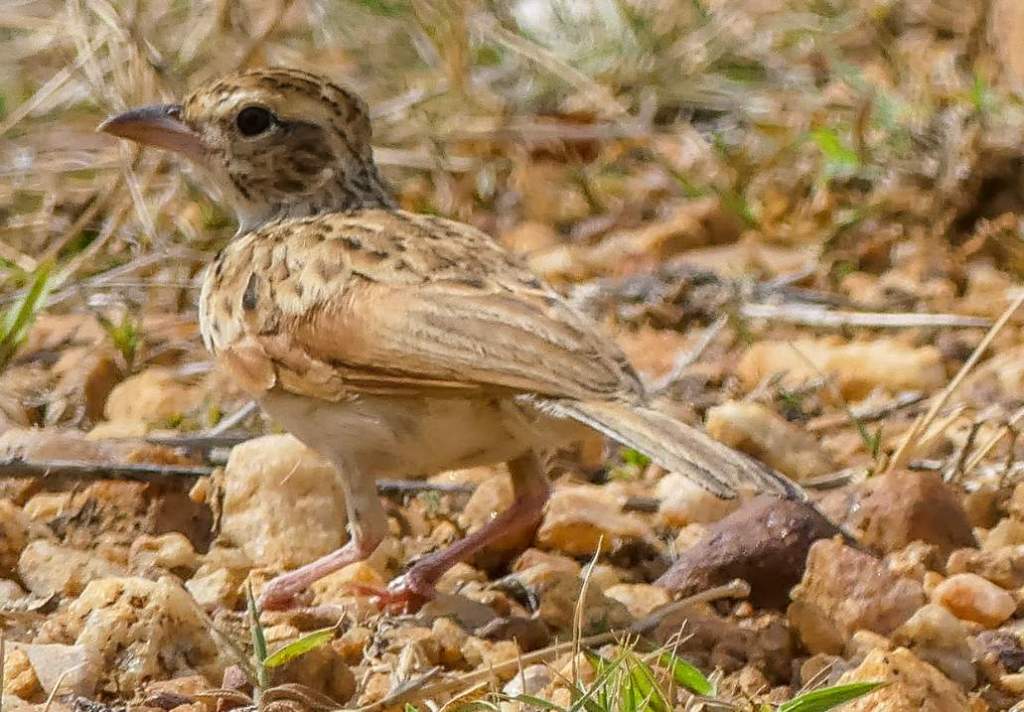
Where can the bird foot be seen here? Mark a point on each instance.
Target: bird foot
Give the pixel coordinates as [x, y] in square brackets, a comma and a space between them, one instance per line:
[401, 596]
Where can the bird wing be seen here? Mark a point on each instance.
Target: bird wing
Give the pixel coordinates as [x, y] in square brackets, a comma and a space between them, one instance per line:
[392, 302]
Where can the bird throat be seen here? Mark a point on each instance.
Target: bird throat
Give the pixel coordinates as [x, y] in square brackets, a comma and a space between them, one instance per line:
[342, 189]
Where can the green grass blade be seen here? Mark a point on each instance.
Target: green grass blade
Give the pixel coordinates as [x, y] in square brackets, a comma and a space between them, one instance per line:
[299, 646]
[645, 686]
[22, 313]
[828, 698]
[259, 640]
[686, 674]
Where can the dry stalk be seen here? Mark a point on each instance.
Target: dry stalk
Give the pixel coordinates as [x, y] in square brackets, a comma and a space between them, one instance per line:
[912, 439]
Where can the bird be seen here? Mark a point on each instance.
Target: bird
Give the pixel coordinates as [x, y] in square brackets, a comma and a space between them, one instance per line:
[392, 342]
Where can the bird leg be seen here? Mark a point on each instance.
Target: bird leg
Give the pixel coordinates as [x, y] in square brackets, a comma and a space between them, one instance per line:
[530, 487]
[368, 526]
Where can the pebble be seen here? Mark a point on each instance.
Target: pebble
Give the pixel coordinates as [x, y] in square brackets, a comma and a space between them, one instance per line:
[972, 598]
[283, 505]
[844, 590]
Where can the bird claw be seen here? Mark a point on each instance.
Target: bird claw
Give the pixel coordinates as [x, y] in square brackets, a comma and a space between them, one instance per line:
[398, 598]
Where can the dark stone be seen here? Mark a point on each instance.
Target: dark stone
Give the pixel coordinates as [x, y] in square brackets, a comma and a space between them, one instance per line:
[765, 543]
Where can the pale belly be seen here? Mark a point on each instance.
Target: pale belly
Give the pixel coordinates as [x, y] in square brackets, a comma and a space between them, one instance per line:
[387, 436]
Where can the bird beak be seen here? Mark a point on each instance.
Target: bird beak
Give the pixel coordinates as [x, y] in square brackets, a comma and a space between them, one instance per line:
[159, 126]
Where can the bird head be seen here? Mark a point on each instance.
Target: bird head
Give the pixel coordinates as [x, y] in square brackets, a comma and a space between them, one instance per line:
[273, 143]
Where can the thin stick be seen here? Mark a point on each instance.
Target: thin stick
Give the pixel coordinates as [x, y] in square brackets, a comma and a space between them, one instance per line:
[690, 357]
[984, 450]
[161, 474]
[910, 441]
[816, 316]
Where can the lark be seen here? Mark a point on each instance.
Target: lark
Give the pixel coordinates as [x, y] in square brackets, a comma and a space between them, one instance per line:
[390, 342]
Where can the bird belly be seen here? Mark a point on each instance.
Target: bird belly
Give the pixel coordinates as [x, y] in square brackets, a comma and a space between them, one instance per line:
[388, 436]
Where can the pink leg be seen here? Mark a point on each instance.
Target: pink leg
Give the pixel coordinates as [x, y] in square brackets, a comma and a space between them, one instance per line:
[368, 525]
[531, 490]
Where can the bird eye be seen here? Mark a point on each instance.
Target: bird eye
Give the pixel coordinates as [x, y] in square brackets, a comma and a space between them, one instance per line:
[253, 120]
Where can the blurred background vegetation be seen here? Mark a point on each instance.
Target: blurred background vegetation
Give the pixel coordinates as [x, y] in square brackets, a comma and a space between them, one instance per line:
[835, 135]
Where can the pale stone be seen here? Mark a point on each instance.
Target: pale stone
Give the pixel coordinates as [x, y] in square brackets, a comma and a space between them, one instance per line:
[938, 637]
[759, 431]
[168, 551]
[857, 367]
[283, 504]
[582, 518]
[529, 681]
[973, 598]
[912, 685]
[47, 568]
[638, 598]
[14, 532]
[141, 631]
[683, 502]
[1008, 532]
[153, 396]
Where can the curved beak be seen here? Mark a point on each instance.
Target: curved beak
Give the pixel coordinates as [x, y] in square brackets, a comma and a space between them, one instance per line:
[159, 126]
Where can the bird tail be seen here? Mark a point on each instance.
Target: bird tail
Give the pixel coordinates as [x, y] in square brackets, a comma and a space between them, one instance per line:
[678, 447]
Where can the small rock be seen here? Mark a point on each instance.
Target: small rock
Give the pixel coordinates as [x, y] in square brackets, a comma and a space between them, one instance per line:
[283, 505]
[51, 444]
[47, 506]
[821, 670]
[765, 543]
[218, 580]
[862, 643]
[1015, 507]
[14, 532]
[450, 638]
[638, 598]
[528, 681]
[469, 613]
[75, 668]
[762, 433]
[141, 631]
[915, 560]
[683, 502]
[85, 379]
[581, 518]
[938, 637]
[912, 685]
[533, 557]
[998, 652]
[19, 679]
[711, 641]
[47, 568]
[323, 670]
[492, 497]
[856, 367]
[489, 653]
[559, 593]
[154, 396]
[1003, 566]
[1008, 532]
[528, 633]
[903, 507]
[170, 552]
[337, 587]
[972, 598]
[844, 590]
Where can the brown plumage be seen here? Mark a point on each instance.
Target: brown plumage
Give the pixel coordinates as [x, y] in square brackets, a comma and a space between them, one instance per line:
[393, 342]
